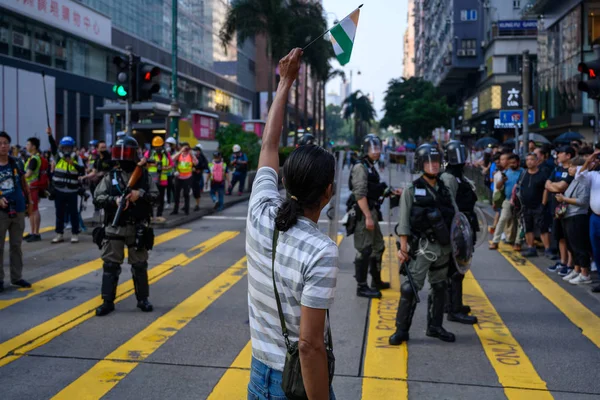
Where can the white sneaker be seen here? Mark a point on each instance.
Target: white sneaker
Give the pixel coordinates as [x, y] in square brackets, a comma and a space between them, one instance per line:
[573, 274]
[58, 238]
[74, 239]
[581, 280]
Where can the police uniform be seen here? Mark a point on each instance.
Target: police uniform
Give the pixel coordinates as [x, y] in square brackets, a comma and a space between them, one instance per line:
[426, 213]
[365, 183]
[133, 228]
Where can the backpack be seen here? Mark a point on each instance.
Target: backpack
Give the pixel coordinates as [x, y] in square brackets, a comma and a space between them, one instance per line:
[218, 172]
[515, 198]
[43, 180]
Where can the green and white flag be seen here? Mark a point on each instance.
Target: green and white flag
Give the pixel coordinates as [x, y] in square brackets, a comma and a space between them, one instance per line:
[342, 37]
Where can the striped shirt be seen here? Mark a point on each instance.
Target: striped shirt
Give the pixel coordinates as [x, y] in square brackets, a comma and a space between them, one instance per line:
[306, 267]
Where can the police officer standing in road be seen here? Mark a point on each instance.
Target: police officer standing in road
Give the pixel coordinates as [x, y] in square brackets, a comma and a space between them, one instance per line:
[426, 213]
[463, 193]
[367, 189]
[132, 229]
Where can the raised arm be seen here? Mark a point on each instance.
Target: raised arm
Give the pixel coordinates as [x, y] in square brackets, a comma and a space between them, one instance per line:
[288, 69]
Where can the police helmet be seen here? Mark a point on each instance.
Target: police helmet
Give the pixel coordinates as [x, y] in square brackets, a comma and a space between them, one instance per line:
[455, 153]
[426, 153]
[306, 139]
[236, 148]
[372, 143]
[67, 141]
[125, 149]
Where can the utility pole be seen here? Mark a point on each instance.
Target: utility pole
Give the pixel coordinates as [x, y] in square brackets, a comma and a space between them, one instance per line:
[526, 78]
[174, 113]
[130, 91]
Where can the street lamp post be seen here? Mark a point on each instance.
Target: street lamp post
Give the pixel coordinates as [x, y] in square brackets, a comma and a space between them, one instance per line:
[174, 113]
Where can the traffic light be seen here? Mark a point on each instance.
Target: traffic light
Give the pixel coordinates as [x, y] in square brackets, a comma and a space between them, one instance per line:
[148, 81]
[592, 85]
[121, 87]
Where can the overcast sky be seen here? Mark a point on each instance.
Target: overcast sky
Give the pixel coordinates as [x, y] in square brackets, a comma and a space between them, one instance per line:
[378, 46]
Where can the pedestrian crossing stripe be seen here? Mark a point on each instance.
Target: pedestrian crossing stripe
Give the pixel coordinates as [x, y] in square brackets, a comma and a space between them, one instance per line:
[514, 369]
[43, 333]
[76, 272]
[106, 374]
[577, 313]
[385, 370]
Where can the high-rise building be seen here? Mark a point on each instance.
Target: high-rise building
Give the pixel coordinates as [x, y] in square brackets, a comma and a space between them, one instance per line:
[409, 43]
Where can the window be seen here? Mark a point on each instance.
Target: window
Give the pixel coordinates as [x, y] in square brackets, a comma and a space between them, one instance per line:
[513, 64]
[517, 4]
[467, 44]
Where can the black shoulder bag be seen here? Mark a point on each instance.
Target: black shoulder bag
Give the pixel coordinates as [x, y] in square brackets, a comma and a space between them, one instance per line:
[292, 383]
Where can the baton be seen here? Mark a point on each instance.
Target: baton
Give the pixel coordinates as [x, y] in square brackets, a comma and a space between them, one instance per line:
[404, 268]
[45, 98]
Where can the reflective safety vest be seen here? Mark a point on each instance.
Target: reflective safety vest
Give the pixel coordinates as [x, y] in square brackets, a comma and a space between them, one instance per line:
[184, 166]
[36, 174]
[65, 177]
[161, 178]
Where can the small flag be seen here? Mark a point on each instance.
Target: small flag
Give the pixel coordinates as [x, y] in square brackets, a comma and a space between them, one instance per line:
[342, 37]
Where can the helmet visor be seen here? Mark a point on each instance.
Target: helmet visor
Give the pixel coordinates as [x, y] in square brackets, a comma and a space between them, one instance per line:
[124, 153]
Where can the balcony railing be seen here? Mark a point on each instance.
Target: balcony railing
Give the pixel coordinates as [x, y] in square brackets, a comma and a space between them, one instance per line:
[514, 28]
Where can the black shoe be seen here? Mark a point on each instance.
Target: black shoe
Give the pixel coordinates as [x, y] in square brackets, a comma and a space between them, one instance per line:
[197, 208]
[441, 334]
[365, 291]
[216, 206]
[465, 309]
[596, 289]
[174, 213]
[1, 286]
[145, 305]
[106, 308]
[380, 285]
[374, 269]
[22, 283]
[462, 318]
[398, 338]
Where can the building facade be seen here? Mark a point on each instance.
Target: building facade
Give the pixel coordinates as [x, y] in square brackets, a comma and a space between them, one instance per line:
[74, 43]
[408, 70]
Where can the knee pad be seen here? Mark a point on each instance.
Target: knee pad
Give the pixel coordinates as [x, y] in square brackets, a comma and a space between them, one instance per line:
[140, 265]
[112, 267]
[406, 290]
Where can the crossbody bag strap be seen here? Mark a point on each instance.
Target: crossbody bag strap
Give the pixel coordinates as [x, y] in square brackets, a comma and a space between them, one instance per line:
[284, 330]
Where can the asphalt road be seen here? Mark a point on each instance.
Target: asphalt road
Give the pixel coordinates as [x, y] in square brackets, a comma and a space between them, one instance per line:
[538, 337]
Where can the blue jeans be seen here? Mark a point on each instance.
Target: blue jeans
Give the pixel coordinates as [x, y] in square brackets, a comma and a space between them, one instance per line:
[238, 177]
[218, 189]
[595, 238]
[265, 383]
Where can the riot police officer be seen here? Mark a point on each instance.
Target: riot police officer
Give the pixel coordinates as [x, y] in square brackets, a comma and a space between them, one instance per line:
[132, 229]
[463, 193]
[426, 213]
[367, 189]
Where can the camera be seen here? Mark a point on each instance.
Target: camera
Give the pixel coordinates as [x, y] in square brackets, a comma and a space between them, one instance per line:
[12, 208]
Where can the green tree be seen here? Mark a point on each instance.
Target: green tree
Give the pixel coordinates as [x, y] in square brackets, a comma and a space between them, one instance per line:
[359, 107]
[337, 127]
[328, 74]
[234, 134]
[416, 106]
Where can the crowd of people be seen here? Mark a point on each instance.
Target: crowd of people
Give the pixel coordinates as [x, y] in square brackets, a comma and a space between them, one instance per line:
[68, 174]
[553, 194]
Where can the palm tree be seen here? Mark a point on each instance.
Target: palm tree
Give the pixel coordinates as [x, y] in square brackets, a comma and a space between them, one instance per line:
[358, 106]
[249, 18]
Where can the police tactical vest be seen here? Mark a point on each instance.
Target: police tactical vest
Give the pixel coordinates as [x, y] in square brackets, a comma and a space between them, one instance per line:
[466, 198]
[140, 212]
[427, 203]
[375, 187]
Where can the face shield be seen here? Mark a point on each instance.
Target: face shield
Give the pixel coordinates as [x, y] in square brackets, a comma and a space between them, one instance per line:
[431, 163]
[124, 153]
[373, 149]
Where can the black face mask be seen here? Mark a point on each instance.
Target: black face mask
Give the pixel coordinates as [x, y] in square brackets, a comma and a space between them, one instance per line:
[127, 166]
[105, 154]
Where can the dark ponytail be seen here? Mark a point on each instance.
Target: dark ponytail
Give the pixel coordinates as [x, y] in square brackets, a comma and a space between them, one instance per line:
[307, 173]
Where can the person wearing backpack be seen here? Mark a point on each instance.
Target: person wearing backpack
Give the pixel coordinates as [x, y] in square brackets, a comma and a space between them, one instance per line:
[34, 169]
[15, 200]
[184, 163]
[198, 175]
[217, 175]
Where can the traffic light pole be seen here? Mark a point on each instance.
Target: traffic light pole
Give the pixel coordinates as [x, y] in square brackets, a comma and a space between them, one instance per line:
[174, 113]
[129, 92]
[526, 89]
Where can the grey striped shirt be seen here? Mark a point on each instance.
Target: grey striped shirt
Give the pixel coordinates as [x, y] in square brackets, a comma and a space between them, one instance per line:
[306, 267]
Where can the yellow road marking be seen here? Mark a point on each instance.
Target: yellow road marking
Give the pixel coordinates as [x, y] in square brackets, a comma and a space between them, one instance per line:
[386, 367]
[42, 230]
[581, 316]
[106, 374]
[514, 369]
[233, 383]
[76, 272]
[41, 334]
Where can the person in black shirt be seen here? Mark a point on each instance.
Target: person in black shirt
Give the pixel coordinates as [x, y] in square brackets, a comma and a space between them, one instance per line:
[198, 175]
[533, 199]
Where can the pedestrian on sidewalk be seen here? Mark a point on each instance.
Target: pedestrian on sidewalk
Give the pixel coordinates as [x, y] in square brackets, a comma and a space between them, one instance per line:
[218, 176]
[590, 172]
[184, 162]
[576, 224]
[15, 200]
[533, 199]
[507, 221]
[133, 228]
[557, 184]
[239, 163]
[171, 150]
[198, 175]
[69, 167]
[160, 166]
[33, 167]
[292, 265]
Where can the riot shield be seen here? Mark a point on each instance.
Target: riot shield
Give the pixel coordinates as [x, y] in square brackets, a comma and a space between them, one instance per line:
[461, 237]
[482, 234]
